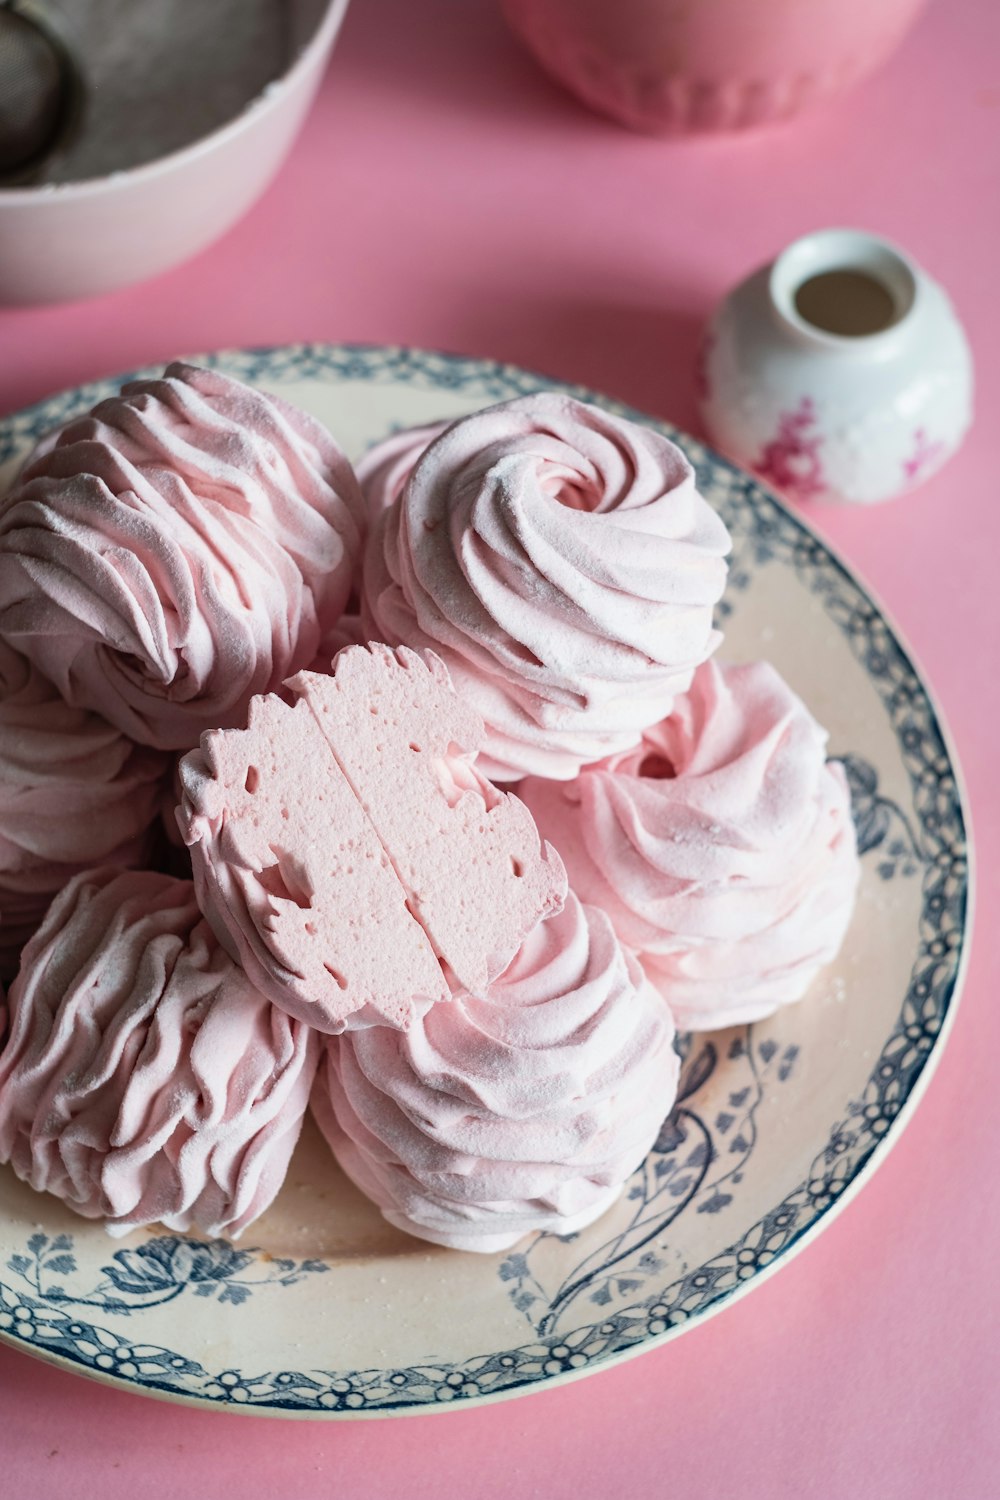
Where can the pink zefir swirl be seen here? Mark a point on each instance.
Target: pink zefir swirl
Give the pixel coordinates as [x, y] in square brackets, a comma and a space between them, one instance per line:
[722, 847]
[178, 550]
[143, 1079]
[524, 1110]
[561, 562]
[73, 791]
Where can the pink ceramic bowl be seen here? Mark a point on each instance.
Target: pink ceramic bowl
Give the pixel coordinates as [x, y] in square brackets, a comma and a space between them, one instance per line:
[82, 238]
[672, 66]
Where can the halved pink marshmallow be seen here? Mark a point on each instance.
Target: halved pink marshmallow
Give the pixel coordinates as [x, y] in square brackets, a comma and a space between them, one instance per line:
[468, 855]
[144, 1079]
[293, 879]
[348, 852]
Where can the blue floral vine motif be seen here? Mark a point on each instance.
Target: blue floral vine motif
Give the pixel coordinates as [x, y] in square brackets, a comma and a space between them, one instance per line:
[157, 1272]
[698, 1156]
[880, 823]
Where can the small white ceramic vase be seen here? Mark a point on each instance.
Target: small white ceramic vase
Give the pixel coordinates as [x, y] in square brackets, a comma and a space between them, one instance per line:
[838, 372]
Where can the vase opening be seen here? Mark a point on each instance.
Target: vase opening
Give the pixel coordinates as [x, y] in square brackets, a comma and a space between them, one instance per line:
[840, 286]
[848, 302]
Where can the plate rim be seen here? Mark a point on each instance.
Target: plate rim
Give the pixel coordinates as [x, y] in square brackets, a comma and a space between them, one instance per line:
[422, 360]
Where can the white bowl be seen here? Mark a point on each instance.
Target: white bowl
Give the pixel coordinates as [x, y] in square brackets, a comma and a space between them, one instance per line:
[79, 239]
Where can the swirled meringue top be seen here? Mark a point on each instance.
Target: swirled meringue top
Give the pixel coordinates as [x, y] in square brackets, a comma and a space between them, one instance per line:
[561, 562]
[178, 550]
[524, 1109]
[143, 1079]
[73, 790]
[722, 847]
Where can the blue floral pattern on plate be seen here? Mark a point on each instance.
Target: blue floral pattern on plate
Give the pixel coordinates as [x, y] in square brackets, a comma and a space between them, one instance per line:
[631, 1293]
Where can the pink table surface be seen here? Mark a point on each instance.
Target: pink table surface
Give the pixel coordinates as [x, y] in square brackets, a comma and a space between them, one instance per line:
[445, 194]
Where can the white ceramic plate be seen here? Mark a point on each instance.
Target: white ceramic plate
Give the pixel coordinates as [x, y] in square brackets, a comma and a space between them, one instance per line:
[326, 1311]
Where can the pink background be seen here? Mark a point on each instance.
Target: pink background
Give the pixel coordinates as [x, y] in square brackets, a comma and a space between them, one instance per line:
[445, 194]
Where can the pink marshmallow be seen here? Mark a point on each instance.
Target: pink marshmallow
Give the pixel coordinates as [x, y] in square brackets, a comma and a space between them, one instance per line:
[561, 562]
[143, 1079]
[526, 1109]
[722, 847]
[178, 550]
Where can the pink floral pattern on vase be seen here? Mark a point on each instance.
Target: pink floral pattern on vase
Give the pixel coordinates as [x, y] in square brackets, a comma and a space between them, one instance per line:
[791, 460]
[925, 452]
